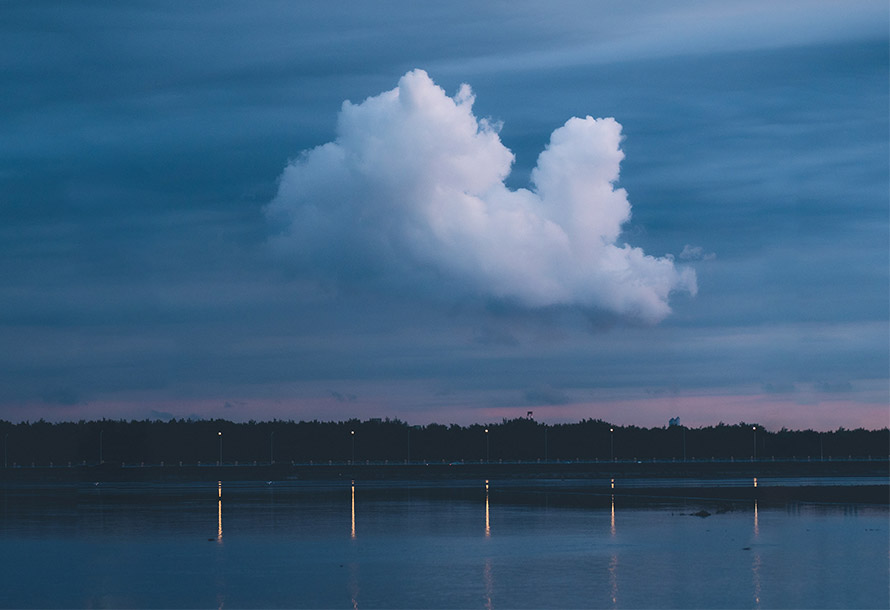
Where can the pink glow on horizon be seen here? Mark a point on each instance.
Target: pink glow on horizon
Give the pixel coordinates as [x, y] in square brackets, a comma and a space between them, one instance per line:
[700, 411]
[771, 411]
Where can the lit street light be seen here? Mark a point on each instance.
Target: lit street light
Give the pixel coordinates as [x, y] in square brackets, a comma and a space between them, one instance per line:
[612, 444]
[754, 455]
[487, 447]
[219, 434]
[352, 434]
[684, 443]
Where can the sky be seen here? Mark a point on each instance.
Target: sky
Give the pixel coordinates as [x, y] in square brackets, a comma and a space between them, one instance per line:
[455, 212]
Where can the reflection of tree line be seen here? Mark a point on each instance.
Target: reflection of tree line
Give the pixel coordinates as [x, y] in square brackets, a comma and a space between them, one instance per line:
[378, 440]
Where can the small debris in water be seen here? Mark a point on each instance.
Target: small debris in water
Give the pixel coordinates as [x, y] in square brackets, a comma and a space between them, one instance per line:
[702, 514]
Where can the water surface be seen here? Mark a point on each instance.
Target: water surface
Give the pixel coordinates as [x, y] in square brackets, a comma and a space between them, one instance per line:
[454, 546]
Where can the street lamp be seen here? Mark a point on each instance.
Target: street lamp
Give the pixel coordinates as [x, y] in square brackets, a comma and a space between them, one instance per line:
[101, 432]
[612, 444]
[754, 455]
[684, 443]
[487, 447]
[352, 435]
[219, 434]
[272, 447]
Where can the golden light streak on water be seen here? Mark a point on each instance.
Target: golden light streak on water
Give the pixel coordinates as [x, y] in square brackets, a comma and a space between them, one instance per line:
[613, 579]
[353, 509]
[755, 481]
[756, 521]
[613, 516]
[487, 521]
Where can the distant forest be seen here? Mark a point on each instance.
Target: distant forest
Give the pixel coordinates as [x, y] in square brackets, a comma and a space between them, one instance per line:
[377, 440]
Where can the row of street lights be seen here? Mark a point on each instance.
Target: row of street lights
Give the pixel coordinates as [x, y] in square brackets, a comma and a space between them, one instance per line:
[271, 447]
[352, 437]
[219, 434]
[612, 444]
[487, 445]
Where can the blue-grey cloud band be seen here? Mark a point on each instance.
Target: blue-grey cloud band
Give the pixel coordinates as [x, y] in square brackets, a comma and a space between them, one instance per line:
[411, 193]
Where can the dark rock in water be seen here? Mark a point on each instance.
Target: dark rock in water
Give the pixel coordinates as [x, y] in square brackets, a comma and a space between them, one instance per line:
[746, 548]
[702, 514]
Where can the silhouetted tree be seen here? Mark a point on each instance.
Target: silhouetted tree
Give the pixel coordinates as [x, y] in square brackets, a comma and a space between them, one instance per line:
[154, 441]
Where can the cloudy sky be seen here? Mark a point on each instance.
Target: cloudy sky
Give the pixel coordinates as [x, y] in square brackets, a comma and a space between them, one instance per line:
[451, 212]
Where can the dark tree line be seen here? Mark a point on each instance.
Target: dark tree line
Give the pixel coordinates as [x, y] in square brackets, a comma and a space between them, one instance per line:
[208, 441]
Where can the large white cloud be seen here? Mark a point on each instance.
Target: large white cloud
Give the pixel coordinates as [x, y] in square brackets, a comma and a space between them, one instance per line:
[412, 191]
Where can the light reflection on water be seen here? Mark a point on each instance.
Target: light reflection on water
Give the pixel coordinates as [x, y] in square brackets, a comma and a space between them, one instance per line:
[486, 570]
[353, 585]
[219, 514]
[613, 560]
[489, 583]
[613, 579]
[487, 521]
[352, 488]
[755, 569]
[756, 521]
[423, 547]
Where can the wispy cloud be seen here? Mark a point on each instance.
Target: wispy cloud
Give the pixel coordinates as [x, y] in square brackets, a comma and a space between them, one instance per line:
[696, 253]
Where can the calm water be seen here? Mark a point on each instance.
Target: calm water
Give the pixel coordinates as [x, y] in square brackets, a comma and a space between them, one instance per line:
[366, 546]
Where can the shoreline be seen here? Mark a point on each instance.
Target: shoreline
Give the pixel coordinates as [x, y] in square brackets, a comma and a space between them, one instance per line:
[440, 471]
[591, 484]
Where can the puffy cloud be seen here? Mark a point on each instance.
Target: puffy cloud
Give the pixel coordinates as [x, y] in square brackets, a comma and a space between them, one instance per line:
[411, 192]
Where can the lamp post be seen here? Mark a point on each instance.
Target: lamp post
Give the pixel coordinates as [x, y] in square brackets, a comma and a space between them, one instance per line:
[754, 455]
[219, 434]
[272, 447]
[101, 432]
[684, 443]
[352, 435]
[487, 447]
[612, 444]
